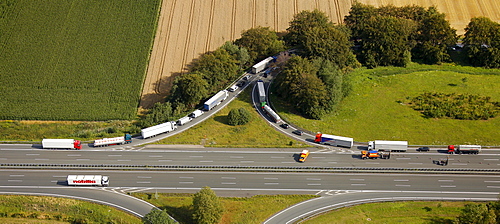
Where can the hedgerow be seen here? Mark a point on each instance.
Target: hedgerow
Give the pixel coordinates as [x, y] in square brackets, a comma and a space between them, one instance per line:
[74, 60]
[456, 106]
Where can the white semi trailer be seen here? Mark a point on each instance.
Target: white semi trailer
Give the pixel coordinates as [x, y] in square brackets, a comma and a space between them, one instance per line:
[215, 100]
[261, 65]
[88, 180]
[391, 146]
[61, 144]
[158, 129]
[262, 91]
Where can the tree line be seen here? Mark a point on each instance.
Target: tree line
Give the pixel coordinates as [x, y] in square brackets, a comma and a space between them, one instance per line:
[316, 78]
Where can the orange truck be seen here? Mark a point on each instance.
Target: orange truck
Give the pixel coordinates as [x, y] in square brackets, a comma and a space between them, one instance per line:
[375, 155]
[303, 155]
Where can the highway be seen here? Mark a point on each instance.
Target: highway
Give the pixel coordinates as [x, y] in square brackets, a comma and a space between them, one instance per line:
[320, 157]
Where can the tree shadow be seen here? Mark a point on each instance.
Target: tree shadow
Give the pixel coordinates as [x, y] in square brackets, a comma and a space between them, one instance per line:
[161, 88]
[183, 214]
[438, 220]
[221, 119]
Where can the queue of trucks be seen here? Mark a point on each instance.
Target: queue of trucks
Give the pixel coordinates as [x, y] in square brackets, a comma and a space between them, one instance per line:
[215, 100]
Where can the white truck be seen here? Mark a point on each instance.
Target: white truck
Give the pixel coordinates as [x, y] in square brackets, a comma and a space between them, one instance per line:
[158, 129]
[262, 91]
[272, 114]
[391, 146]
[61, 144]
[215, 100]
[184, 120]
[127, 138]
[88, 180]
[333, 140]
[196, 113]
[261, 65]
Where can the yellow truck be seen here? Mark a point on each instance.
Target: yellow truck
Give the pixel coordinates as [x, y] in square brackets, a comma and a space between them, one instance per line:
[375, 155]
[303, 155]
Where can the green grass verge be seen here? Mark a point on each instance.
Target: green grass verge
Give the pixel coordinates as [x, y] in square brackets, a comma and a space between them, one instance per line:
[250, 210]
[37, 209]
[215, 132]
[394, 212]
[376, 108]
[74, 60]
[36, 131]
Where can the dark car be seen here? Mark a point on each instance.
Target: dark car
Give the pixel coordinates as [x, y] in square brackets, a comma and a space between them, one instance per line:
[423, 149]
[298, 132]
[246, 77]
[285, 126]
[241, 83]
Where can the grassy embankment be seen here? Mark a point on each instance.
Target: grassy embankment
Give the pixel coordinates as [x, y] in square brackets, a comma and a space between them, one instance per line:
[250, 210]
[215, 131]
[376, 107]
[51, 210]
[394, 212]
[74, 60]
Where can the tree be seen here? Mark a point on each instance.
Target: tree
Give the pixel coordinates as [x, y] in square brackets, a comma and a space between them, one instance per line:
[482, 42]
[218, 68]
[238, 116]
[477, 214]
[160, 113]
[239, 53]
[207, 208]
[358, 15]
[189, 89]
[157, 216]
[260, 42]
[385, 41]
[315, 36]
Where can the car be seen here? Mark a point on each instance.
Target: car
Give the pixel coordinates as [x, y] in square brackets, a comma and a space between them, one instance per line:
[298, 132]
[423, 149]
[246, 77]
[285, 126]
[233, 88]
[241, 83]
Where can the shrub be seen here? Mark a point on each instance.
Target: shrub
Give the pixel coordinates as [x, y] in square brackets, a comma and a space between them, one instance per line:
[238, 116]
[456, 106]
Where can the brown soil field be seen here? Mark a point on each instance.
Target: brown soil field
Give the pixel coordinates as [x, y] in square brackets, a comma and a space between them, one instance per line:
[188, 28]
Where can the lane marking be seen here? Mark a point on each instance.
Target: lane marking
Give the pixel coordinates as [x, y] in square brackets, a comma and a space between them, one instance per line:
[206, 161]
[155, 156]
[492, 159]
[114, 155]
[400, 185]
[313, 179]
[3, 158]
[58, 176]
[186, 177]
[231, 178]
[271, 183]
[357, 179]
[448, 186]
[185, 182]
[124, 160]
[358, 184]
[74, 155]
[493, 186]
[287, 162]
[492, 181]
[195, 156]
[249, 161]
[227, 183]
[332, 162]
[16, 175]
[270, 178]
[32, 154]
[313, 184]
[446, 180]
[165, 160]
[236, 157]
[401, 180]
[143, 182]
[371, 163]
[415, 163]
[143, 177]
[41, 159]
[15, 180]
[459, 164]
[82, 159]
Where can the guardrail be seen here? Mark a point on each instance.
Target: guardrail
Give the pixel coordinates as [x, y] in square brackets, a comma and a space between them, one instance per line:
[309, 169]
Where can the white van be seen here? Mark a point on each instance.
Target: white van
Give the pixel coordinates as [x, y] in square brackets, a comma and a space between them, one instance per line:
[196, 113]
[233, 88]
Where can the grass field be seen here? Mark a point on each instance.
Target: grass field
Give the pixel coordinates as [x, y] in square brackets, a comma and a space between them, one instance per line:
[250, 210]
[394, 212]
[376, 108]
[51, 210]
[74, 60]
[215, 132]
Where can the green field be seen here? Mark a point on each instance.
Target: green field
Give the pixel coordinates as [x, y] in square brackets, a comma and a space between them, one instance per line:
[215, 131]
[74, 60]
[376, 108]
[394, 212]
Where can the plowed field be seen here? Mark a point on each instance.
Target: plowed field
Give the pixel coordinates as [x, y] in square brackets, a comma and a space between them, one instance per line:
[188, 28]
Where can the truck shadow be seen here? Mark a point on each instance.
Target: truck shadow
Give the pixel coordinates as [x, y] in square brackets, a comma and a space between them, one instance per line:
[62, 182]
[37, 146]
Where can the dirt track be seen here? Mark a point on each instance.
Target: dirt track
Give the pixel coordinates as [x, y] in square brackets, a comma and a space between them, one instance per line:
[188, 28]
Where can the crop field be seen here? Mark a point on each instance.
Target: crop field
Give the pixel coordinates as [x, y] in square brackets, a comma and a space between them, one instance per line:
[74, 60]
[189, 28]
